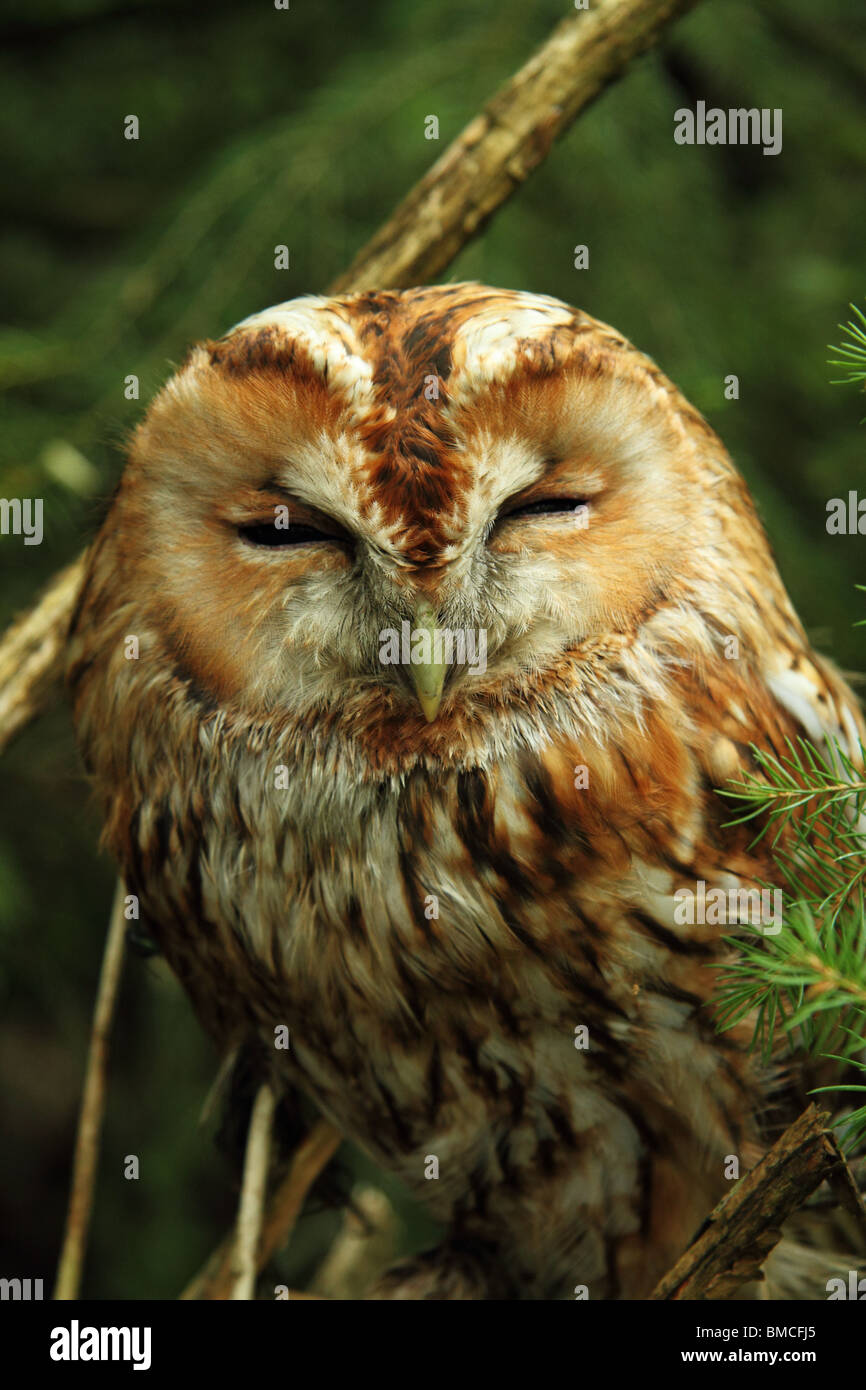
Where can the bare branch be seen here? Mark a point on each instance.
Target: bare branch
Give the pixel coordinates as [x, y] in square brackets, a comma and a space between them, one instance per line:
[499, 149]
[250, 1211]
[739, 1234]
[32, 653]
[214, 1280]
[86, 1160]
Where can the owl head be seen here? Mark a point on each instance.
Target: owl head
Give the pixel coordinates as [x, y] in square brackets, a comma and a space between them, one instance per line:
[415, 519]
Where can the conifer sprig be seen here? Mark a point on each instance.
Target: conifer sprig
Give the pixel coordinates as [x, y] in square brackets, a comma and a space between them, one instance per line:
[852, 353]
[813, 807]
[808, 982]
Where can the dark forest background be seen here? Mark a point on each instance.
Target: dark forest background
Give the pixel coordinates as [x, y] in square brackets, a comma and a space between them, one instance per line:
[304, 127]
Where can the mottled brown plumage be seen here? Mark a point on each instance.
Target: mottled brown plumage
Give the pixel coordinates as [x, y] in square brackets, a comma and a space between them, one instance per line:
[435, 906]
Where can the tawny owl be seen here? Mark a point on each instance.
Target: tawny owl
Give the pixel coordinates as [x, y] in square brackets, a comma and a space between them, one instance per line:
[451, 616]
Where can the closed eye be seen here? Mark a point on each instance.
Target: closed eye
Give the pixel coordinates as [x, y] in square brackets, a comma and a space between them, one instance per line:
[544, 506]
[267, 533]
[281, 533]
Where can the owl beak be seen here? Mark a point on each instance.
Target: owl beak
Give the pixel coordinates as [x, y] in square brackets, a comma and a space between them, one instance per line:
[428, 677]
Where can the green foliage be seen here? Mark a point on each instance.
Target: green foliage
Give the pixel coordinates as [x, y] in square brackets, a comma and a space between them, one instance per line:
[807, 984]
[816, 800]
[852, 354]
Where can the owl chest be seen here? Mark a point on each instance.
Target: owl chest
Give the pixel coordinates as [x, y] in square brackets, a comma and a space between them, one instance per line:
[488, 1024]
[515, 1087]
[428, 974]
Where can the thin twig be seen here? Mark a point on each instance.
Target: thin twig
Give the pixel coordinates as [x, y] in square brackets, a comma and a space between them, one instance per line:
[253, 1188]
[843, 1185]
[365, 1246]
[214, 1280]
[90, 1117]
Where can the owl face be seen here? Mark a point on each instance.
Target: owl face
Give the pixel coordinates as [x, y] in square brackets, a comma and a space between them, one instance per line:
[337, 473]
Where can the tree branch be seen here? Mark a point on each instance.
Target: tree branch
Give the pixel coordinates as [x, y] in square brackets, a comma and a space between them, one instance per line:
[244, 1264]
[739, 1234]
[92, 1109]
[514, 133]
[214, 1280]
[32, 653]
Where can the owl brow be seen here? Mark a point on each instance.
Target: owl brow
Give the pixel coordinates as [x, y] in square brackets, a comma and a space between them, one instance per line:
[271, 485]
[271, 489]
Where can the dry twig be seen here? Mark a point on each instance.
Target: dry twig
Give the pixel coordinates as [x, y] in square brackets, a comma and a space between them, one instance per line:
[253, 1189]
[739, 1234]
[32, 653]
[214, 1281]
[90, 1117]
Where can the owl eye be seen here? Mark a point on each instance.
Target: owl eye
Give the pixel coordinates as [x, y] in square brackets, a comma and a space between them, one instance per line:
[268, 534]
[545, 506]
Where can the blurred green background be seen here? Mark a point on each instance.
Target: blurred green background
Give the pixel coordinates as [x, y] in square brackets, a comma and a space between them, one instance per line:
[304, 127]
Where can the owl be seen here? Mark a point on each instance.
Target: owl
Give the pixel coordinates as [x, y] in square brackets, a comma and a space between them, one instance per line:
[421, 632]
